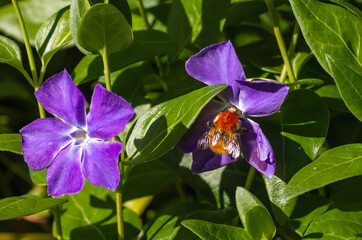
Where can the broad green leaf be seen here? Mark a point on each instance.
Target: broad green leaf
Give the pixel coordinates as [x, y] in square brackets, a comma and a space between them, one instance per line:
[13, 207]
[167, 224]
[296, 133]
[336, 224]
[91, 214]
[178, 26]
[148, 179]
[146, 45]
[216, 187]
[331, 96]
[307, 209]
[160, 128]
[213, 231]
[255, 217]
[104, 29]
[193, 10]
[346, 194]
[11, 142]
[337, 47]
[38, 177]
[53, 35]
[334, 165]
[34, 12]
[10, 53]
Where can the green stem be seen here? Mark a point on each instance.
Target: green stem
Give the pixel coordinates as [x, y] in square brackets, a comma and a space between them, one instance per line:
[57, 212]
[120, 227]
[26, 41]
[86, 4]
[279, 39]
[41, 75]
[291, 49]
[157, 58]
[41, 109]
[250, 178]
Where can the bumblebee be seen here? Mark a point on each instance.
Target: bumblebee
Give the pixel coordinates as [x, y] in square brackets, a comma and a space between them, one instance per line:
[222, 136]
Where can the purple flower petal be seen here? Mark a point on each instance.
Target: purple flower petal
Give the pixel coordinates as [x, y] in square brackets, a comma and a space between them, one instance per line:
[206, 160]
[64, 175]
[42, 140]
[216, 64]
[188, 142]
[261, 98]
[256, 149]
[61, 97]
[100, 163]
[108, 114]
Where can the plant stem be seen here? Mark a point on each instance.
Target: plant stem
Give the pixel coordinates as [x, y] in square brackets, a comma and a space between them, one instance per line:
[291, 49]
[119, 202]
[157, 58]
[56, 213]
[279, 39]
[249, 178]
[27, 43]
[86, 4]
[120, 228]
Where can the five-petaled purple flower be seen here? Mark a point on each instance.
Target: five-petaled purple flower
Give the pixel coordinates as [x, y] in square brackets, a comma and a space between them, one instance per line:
[217, 64]
[73, 147]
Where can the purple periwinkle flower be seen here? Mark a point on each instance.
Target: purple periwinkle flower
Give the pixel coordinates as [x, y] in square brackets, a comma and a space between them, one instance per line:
[216, 139]
[73, 147]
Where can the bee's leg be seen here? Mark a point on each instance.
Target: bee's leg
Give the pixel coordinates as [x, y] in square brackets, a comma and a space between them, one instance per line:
[210, 124]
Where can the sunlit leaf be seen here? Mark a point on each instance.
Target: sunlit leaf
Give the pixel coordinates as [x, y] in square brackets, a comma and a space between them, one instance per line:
[13, 207]
[160, 128]
[11, 142]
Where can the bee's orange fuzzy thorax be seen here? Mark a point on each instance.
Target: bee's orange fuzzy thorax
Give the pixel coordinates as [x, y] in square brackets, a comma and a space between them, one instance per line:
[227, 121]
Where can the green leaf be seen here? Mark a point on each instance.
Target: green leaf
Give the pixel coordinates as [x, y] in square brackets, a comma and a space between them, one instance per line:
[10, 53]
[11, 142]
[213, 231]
[296, 134]
[331, 96]
[34, 12]
[255, 217]
[146, 45]
[193, 10]
[334, 165]
[160, 128]
[38, 177]
[91, 214]
[104, 29]
[53, 35]
[148, 179]
[167, 224]
[335, 224]
[337, 48]
[13, 207]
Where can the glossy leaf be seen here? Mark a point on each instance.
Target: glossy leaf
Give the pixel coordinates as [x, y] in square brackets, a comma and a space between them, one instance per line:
[38, 177]
[14, 207]
[178, 26]
[11, 142]
[337, 48]
[336, 164]
[10, 53]
[146, 45]
[160, 128]
[168, 222]
[331, 96]
[213, 231]
[91, 214]
[336, 224]
[34, 12]
[53, 35]
[104, 29]
[193, 10]
[255, 217]
[296, 135]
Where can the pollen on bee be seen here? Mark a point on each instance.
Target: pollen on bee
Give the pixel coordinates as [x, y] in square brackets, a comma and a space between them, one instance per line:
[227, 121]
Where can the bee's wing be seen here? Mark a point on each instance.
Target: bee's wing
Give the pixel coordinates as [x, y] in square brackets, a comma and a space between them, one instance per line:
[233, 145]
[203, 142]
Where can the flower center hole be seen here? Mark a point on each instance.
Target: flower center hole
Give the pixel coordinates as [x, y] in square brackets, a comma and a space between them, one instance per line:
[79, 136]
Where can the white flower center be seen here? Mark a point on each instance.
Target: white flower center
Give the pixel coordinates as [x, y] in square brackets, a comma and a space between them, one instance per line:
[79, 136]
